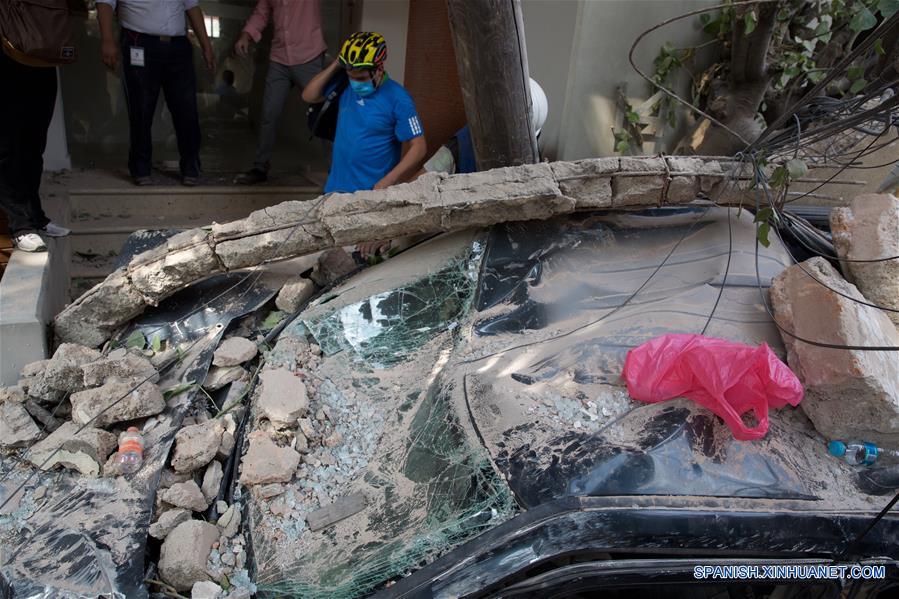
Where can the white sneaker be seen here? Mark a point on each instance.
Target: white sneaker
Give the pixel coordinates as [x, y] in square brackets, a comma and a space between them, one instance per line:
[54, 230]
[30, 242]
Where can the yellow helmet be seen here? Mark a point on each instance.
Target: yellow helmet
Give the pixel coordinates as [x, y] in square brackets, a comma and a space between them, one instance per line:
[363, 50]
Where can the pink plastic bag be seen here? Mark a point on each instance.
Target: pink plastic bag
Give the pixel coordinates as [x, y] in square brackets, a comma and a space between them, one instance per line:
[728, 378]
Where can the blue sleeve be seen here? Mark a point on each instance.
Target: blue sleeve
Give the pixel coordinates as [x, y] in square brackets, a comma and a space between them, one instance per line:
[408, 125]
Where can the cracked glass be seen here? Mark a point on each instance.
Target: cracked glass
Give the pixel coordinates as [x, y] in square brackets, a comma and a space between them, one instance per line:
[385, 328]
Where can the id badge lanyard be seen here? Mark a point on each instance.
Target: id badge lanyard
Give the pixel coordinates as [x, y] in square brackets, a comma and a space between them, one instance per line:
[136, 52]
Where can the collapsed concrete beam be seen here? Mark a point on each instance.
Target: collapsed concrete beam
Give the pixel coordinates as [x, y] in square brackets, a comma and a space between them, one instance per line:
[431, 204]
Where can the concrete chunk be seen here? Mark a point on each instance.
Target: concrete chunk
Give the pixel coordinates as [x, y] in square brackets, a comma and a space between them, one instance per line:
[631, 188]
[294, 293]
[84, 451]
[17, 429]
[234, 351]
[589, 181]
[405, 209]
[117, 401]
[282, 397]
[212, 480]
[229, 521]
[12, 395]
[196, 445]
[130, 366]
[206, 590]
[184, 552]
[64, 371]
[332, 265]
[186, 495]
[225, 447]
[339, 510]
[167, 522]
[525, 192]
[866, 230]
[91, 318]
[219, 376]
[265, 462]
[182, 259]
[850, 394]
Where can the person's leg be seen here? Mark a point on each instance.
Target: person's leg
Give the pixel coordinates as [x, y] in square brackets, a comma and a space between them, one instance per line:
[142, 85]
[180, 89]
[25, 111]
[41, 102]
[302, 75]
[277, 87]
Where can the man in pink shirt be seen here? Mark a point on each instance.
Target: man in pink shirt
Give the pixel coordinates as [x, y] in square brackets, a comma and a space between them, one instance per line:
[298, 55]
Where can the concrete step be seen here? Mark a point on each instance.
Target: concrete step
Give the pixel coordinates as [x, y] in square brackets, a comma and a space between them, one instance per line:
[166, 207]
[101, 219]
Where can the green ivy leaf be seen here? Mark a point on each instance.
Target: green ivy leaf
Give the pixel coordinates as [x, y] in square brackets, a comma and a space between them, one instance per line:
[796, 169]
[633, 117]
[778, 177]
[855, 73]
[750, 21]
[816, 76]
[887, 8]
[762, 234]
[622, 147]
[863, 20]
[878, 47]
[136, 340]
[156, 342]
[272, 320]
[763, 215]
[857, 86]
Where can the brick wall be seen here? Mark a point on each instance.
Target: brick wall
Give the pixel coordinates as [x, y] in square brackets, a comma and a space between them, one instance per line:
[431, 76]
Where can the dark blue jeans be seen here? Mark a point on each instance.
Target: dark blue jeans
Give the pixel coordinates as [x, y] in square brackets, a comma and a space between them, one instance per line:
[168, 66]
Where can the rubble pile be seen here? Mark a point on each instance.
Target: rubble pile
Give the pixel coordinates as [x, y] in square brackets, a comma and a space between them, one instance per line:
[203, 551]
[82, 399]
[309, 440]
[68, 412]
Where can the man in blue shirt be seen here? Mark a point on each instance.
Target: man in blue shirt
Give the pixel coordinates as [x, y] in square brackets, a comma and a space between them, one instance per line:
[379, 140]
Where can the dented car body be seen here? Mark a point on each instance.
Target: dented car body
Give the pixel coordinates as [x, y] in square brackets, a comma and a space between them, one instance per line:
[469, 433]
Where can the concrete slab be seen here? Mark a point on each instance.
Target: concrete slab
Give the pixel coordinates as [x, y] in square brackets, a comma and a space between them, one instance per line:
[33, 290]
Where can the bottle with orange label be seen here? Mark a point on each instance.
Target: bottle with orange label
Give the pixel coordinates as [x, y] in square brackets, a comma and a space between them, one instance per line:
[131, 450]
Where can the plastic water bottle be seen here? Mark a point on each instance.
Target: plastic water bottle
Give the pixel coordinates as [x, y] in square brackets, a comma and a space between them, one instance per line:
[131, 450]
[862, 453]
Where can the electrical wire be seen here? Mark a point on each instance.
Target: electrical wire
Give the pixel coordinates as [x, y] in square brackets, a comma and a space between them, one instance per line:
[782, 328]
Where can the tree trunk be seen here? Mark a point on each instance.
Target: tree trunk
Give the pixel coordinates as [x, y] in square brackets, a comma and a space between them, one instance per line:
[488, 37]
[749, 80]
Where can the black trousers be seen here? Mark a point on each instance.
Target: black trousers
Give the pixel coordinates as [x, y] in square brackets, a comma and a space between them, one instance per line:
[26, 107]
[168, 66]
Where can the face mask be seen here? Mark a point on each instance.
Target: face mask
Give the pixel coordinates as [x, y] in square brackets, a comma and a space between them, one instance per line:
[363, 89]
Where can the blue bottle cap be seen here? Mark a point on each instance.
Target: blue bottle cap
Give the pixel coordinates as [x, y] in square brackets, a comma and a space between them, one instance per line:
[836, 448]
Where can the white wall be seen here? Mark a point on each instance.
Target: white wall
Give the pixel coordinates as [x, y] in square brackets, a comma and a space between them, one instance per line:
[56, 154]
[586, 43]
[549, 27]
[390, 18]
